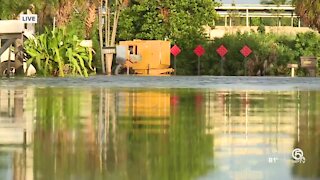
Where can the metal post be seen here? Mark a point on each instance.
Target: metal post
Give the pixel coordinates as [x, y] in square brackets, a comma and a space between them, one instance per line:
[9, 62]
[128, 70]
[292, 19]
[106, 63]
[25, 143]
[225, 21]
[175, 65]
[221, 66]
[245, 67]
[106, 38]
[198, 65]
[101, 41]
[280, 21]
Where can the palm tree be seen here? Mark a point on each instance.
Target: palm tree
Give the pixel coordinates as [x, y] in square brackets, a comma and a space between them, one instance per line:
[61, 10]
[91, 16]
[309, 11]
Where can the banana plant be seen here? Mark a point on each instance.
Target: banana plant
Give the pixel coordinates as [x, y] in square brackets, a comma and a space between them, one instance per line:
[58, 53]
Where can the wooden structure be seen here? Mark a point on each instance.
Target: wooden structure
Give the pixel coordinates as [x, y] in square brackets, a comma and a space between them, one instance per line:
[11, 34]
[292, 67]
[145, 57]
[310, 64]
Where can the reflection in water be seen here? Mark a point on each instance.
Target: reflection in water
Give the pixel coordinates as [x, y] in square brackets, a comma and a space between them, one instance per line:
[309, 135]
[16, 116]
[159, 133]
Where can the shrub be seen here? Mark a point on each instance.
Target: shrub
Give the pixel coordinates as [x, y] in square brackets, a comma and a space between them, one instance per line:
[270, 55]
[58, 53]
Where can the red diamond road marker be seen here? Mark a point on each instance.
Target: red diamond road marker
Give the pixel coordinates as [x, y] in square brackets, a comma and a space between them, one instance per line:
[222, 51]
[199, 50]
[175, 50]
[246, 51]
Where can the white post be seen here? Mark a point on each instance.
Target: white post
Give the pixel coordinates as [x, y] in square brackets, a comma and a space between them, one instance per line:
[279, 21]
[54, 23]
[247, 17]
[299, 25]
[225, 21]
[292, 72]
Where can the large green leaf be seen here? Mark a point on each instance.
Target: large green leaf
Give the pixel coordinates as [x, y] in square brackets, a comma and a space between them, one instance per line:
[54, 50]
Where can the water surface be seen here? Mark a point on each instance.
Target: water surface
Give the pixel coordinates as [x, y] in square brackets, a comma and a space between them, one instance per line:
[159, 128]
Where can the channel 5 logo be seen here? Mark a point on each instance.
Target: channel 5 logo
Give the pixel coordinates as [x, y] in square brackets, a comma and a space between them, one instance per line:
[297, 155]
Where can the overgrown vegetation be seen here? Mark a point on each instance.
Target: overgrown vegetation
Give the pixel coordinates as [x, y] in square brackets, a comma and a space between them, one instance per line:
[180, 21]
[309, 10]
[58, 53]
[271, 54]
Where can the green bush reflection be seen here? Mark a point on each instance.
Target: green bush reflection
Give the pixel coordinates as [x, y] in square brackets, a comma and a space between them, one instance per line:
[115, 139]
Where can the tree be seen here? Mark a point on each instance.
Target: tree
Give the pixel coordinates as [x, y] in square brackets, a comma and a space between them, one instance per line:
[309, 11]
[9, 9]
[181, 21]
[61, 10]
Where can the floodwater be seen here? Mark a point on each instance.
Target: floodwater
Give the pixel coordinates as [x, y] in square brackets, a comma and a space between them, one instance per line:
[178, 128]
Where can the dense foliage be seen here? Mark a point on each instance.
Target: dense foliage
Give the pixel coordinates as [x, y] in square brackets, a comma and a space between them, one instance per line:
[181, 21]
[9, 9]
[58, 53]
[309, 10]
[275, 2]
[271, 54]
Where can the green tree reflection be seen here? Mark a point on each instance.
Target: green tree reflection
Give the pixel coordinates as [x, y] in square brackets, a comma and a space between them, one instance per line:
[309, 135]
[135, 143]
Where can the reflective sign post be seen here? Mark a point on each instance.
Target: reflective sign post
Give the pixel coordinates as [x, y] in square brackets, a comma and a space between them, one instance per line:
[222, 51]
[199, 51]
[175, 51]
[245, 51]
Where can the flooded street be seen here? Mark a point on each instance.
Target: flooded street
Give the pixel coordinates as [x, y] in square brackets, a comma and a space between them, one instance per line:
[159, 128]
